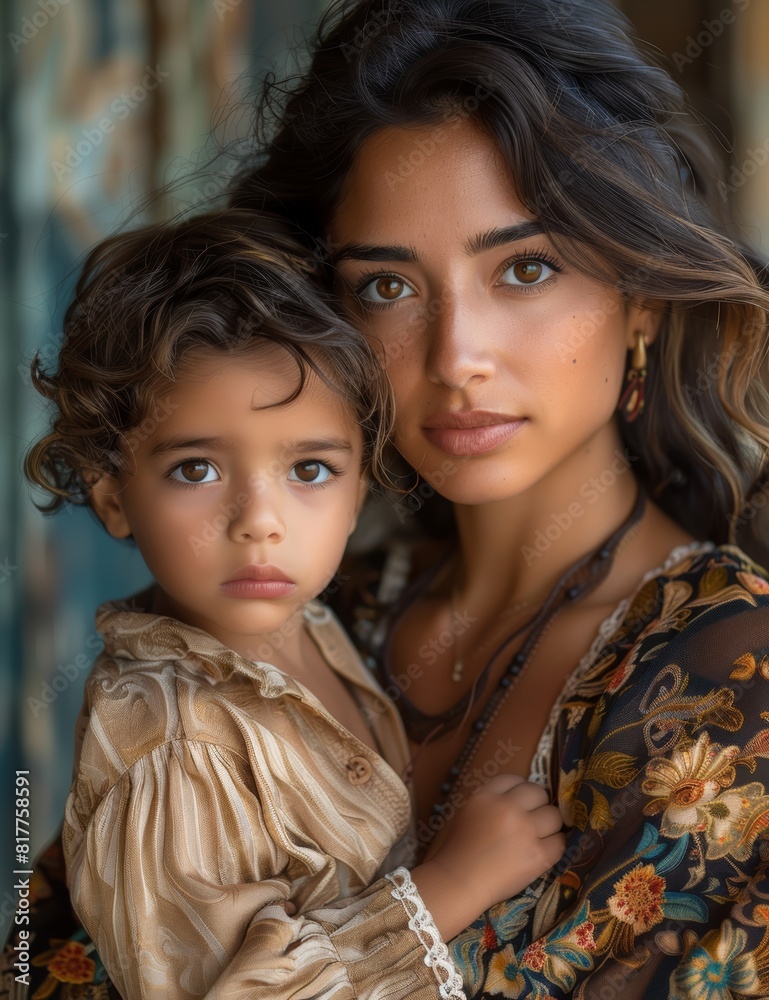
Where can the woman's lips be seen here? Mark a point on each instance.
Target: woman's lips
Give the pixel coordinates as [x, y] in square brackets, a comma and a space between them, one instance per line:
[473, 432]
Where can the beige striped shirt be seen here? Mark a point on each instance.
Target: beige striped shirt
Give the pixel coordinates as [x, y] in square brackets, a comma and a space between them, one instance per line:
[209, 790]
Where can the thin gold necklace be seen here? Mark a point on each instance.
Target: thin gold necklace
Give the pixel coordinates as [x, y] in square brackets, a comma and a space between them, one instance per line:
[581, 578]
[570, 588]
[458, 665]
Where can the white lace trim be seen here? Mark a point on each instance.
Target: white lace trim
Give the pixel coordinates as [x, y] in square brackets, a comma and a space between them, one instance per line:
[540, 763]
[420, 921]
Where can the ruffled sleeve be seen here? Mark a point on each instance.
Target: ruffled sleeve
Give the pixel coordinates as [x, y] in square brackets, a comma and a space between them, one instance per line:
[182, 875]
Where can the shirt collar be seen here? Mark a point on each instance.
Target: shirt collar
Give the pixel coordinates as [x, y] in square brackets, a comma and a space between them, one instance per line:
[131, 632]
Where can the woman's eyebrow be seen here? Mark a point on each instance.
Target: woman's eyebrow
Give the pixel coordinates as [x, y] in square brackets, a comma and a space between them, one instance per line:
[489, 240]
[498, 237]
[379, 253]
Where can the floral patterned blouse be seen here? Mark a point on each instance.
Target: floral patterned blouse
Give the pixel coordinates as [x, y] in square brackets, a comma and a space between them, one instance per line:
[658, 756]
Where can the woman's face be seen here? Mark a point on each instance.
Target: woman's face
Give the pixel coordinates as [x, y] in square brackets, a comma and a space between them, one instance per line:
[506, 363]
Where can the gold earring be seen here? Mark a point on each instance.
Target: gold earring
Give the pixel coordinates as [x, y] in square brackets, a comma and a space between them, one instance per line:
[632, 400]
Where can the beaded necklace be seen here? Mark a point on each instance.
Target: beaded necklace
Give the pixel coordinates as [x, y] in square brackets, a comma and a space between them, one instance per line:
[580, 579]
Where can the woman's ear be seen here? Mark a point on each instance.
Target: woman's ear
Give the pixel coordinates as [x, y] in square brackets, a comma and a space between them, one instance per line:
[644, 317]
[106, 495]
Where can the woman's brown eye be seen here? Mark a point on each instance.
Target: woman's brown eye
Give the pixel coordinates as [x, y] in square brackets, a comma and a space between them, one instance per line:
[532, 272]
[527, 271]
[389, 288]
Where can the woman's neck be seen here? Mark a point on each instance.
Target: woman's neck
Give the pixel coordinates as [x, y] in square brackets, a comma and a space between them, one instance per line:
[520, 547]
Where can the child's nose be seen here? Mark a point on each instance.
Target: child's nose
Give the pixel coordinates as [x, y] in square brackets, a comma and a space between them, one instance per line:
[256, 514]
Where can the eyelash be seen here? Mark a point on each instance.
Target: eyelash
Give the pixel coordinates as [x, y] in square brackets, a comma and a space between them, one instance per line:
[333, 469]
[537, 256]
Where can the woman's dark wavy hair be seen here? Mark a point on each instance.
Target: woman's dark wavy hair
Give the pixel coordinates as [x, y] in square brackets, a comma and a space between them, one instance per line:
[232, 281]
[603, 149]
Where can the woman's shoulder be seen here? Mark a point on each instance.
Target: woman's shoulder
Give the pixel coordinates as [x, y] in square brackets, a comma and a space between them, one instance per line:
[700, 558]
[703, 614]
[698, 579]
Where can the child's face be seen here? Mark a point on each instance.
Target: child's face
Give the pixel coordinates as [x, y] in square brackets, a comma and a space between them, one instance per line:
[219, 490]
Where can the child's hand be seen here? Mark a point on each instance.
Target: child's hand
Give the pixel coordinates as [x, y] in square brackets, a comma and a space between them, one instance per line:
[505, 836]
[501, 840]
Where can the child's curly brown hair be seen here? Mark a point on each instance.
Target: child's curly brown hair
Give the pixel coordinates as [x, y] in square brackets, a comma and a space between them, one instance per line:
[232, 281]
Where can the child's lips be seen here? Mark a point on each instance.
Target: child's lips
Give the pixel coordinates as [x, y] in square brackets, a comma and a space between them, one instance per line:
[259, 580]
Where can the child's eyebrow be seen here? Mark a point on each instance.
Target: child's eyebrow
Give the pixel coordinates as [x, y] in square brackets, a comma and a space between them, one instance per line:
[321, 444]
[182, 444]
[312, 444]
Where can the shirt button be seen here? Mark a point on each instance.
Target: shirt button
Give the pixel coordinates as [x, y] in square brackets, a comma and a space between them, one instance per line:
[358, 770]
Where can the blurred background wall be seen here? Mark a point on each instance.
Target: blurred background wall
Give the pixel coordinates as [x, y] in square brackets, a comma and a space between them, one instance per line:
[101, 101]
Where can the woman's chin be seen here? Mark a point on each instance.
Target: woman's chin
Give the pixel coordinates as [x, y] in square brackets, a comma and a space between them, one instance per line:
[474, 491]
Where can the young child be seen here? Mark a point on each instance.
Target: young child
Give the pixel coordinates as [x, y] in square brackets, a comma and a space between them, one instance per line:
[237, 823]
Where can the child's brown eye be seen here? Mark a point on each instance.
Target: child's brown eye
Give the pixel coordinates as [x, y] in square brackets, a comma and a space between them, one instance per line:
[309, 472]
[194, 471]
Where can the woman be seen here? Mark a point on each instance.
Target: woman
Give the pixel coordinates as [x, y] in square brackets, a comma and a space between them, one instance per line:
[520, 214]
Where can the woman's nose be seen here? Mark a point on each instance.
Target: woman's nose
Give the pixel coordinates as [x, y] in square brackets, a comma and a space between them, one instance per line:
[459, 343]
[256, 513]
